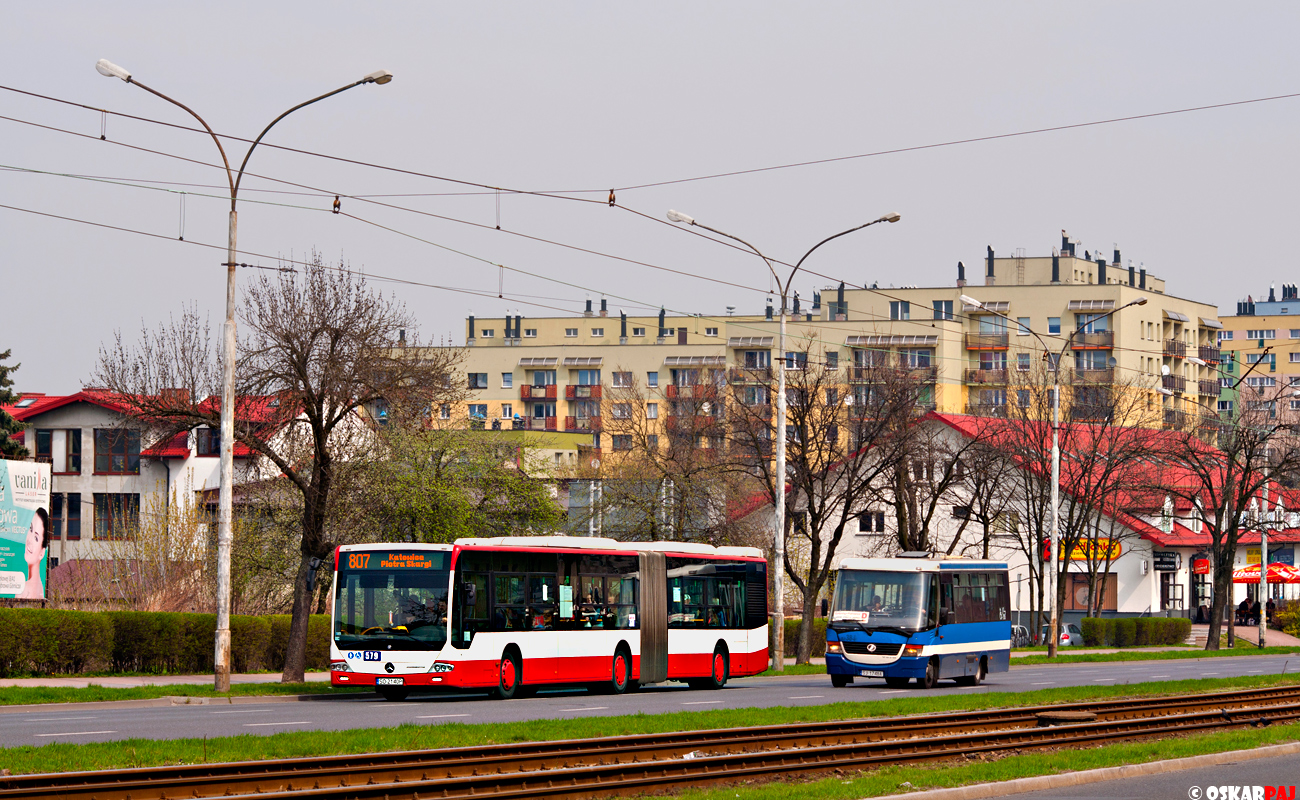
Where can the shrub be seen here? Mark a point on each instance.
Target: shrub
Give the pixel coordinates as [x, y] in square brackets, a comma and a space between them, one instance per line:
[1094, 631]
[1286, 616]
[792, 628]
[249, 638]
[1142, 627]
[1125, 632]
[50, 641]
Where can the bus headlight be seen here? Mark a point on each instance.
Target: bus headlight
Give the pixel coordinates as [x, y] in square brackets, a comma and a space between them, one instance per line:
[832, 647]
[339, 666]
[912, 650]
[439, 666]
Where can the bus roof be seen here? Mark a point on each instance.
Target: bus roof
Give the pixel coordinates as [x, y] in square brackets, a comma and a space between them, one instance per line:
[602, 543]
[919, 564]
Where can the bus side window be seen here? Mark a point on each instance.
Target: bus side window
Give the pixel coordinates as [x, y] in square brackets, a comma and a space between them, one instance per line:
[946, 597]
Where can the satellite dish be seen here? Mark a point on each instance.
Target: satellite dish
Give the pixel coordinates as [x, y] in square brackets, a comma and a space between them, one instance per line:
[595, 463]
[1164, 369]
[1112, 362]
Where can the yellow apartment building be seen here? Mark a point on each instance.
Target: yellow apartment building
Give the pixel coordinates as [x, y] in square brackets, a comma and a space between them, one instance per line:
[1266, 331]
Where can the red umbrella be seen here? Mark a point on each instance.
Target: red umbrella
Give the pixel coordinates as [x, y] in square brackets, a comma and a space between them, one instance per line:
[1277, 573]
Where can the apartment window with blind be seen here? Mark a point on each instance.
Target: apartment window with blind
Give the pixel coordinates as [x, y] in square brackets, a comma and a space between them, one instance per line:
[1252, 334]
[900, 309]
[943, 309]
[117, 451]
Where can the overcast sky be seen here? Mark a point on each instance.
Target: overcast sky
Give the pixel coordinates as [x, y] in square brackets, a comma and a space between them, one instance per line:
[567, 97]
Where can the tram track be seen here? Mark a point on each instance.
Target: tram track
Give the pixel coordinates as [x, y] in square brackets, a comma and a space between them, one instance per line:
[655, 762]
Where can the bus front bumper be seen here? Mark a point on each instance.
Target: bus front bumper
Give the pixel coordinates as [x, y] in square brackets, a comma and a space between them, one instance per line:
[901, 668]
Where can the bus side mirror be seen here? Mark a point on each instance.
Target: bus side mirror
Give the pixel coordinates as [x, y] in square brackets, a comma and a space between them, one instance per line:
[943, 616]
[469, 592]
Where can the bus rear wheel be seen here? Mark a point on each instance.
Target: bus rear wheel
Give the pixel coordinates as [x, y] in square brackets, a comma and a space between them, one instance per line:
[718, 671]
[620, 674]
[508, 676]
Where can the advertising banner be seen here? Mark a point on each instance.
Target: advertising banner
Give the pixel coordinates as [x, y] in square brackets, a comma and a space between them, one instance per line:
[24, 529]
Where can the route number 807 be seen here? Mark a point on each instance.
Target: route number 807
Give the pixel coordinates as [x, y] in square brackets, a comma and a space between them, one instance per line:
[358, 560]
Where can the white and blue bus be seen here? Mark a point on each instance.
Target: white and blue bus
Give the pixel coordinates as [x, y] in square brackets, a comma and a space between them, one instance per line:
[924, 616]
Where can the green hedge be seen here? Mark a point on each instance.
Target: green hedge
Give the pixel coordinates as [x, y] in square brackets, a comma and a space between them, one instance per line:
[45, 641]
[792, 627]
[1130, 631]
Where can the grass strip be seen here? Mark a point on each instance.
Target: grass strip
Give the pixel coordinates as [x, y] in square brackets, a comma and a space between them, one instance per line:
[63, 756]
[35, 695]
[1157, 655]
[895, 780]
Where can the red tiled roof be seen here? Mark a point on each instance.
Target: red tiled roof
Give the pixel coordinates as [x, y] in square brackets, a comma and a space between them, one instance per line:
[175, 447]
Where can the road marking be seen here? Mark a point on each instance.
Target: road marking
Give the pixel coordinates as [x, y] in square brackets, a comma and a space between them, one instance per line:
[1044, 683]
[441, 716]
[1209, 673]
[807, 697]
[591, 708]
[76, 733]
[1099, 680]
[1160, 676]
[703, 703]
[895, 691]
[56, 719]
[262, 724]
[245, 711]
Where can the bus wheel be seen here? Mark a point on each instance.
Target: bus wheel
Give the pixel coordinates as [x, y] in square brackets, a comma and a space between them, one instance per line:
[931, 675]
[974, 680]
[840, 681]
[508, 675]
[717, 672]
[621, 672]
[897, 683]
[393, 695]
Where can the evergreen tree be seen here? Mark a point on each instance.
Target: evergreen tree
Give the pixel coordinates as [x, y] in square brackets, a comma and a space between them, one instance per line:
[8, 425]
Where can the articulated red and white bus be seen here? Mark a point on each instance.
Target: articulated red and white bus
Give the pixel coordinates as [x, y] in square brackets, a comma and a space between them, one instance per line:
[511, 614]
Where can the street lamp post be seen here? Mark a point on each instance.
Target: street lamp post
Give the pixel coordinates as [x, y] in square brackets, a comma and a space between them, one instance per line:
[221, 658]
[1054, 632]
[778, 545]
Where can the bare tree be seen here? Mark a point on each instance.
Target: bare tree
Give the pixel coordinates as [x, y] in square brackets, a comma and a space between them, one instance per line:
[319, 347]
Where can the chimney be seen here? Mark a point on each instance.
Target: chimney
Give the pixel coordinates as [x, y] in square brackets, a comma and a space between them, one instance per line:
[661, 322]
[519, 322]
[1132, 273]
[841, 308]
[795, 310]
[469, 339]
[604, 310]
[1101, 272]
[1271, 297]
[817, 301]
[961, 275]
[1065, 242]
[769, 308]
[1056, 268]
[401, 337]
[1116, 260]
[1142, 278]
[587, 312]
[989, 280]
[622, 326]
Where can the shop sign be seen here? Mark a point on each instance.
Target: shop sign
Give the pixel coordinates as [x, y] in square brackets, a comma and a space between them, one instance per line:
[1166, 560]
[1200, 566]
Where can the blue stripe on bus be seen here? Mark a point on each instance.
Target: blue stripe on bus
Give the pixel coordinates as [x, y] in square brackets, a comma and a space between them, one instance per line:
[981, 566]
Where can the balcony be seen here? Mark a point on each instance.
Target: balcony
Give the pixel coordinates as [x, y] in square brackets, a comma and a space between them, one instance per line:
[1175, 349]
[537, 392]
[1174, 383]
[1208, 388]
[986, 409]
[701, 425]
[750, 374]
[1099, 340]
[1091, 412]
[987, 376]
[675, 392]
[923, 374]
[582, 392]
[1175, 420]
[986, 341]
[582, 424]
[540, 423]
[1208, 353]
[1094, 376]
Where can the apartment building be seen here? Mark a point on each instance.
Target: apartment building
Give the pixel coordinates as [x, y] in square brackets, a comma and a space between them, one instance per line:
[552, 373]
[1262, 343]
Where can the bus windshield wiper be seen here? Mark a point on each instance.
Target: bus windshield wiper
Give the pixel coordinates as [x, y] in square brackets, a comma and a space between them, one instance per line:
[887, 629]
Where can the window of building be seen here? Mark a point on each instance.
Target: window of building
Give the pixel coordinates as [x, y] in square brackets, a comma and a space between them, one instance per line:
[710, 331]
[1261, 382]
[62, 448]
[571, 333]
[69, 504]
[961, 512]
[1295, 332]
[992, 325]
[994, 359]
[755, 395]
[652, 411]
[1295, 357]
[915, 358]
[597, 331]
[507, 411]
[1054, 325]
[832, 359]
[796, 359]
[1022, 326]
[487, 333]
[756, 359]
[1091, 359]
[1225, 383]
[832, 397]
[507, 380]
[943, 309]
[638, 331]
[543, 377]
[652, 442]
[588, 377]
[622, 410]
[478, 410]
[543, 410]
[478, 380]
[622, 441]
[1022, 398]
[622, 380]
[530, 333]
[207, 442]
[900, 309]
[871, 521]
[1261, 334]
[117, 451]
[1091, 323]
[1267, 358]
[1225, 405]
[444, 411]
[116, 515]
[1224, 335]
[1022, 362]
[652, 379]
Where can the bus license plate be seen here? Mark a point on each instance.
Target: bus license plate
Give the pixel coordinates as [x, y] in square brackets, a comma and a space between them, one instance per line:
[389, 681]
[866, 673]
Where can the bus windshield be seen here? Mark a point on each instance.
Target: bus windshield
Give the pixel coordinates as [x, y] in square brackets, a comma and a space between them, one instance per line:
[394, 600]
[881, 600]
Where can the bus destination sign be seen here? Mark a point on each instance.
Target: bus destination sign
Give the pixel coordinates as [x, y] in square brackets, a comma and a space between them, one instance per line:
[407, 561]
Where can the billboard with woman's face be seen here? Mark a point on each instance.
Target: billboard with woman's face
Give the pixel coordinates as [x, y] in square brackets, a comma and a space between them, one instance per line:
[24, 529]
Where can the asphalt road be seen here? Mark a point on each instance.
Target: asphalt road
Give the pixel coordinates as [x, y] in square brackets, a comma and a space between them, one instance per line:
[35, 725]
[1193, 784]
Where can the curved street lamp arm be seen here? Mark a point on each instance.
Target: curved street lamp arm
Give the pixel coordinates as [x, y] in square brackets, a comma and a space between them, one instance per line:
[751, 247]
[234, 189]
[215, 138]
[824, 241]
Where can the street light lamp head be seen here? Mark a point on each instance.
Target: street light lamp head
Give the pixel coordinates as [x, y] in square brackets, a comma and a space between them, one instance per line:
[970, 301]
[381, 77]
[110, 70]
[1165, 392]
[892, 216]
[1194, 360]
[1141, 301]
[677, 216]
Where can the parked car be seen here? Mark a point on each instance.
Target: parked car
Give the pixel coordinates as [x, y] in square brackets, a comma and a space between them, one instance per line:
[1071, 636]
[1020, 636]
